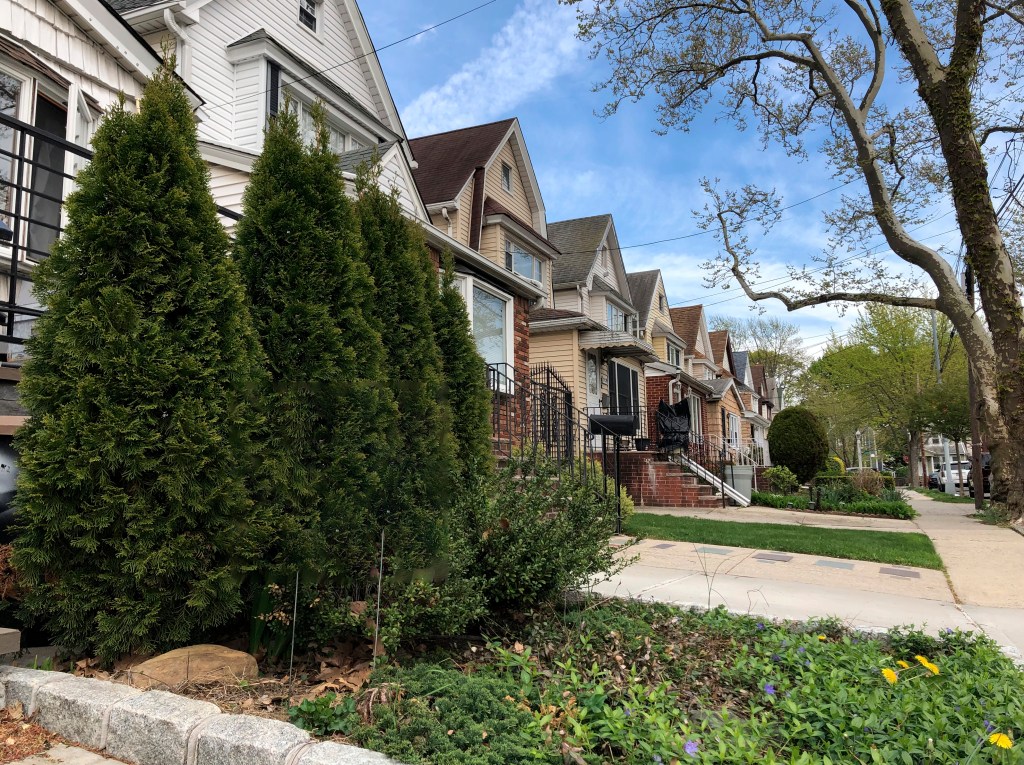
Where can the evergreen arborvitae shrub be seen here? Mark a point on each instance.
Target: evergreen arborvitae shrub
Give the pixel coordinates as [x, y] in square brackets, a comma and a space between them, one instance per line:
[797, 440]
[136, 525]
[428, 589]
[465, 376]
[327, 405]
[422, 463]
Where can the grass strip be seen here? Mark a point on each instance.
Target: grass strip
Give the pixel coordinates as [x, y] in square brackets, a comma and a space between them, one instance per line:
[894, 547]
[941, 496]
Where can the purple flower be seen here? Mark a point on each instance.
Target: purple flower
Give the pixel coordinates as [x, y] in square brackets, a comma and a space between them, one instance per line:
[801, 649]
[989, 727]
[760, 626]
[949, 630]
[807, 663]
[626, 711]
[769, 689]
[691, 748]
[776, 657]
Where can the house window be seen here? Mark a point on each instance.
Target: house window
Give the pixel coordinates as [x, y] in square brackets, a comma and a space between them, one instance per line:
[490, 317]
[623, 388]
[616, 318]
[340, 142]
[308, 11]
[506, 177]
[734, 430]
[661, 302]
[675, 356]
[10, 106]
[521, 262]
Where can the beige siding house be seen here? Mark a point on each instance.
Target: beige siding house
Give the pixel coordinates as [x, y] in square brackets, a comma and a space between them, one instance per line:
[591, 332]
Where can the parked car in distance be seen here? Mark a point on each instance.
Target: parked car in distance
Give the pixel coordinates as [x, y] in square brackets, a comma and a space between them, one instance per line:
[959, 471]
[986, 474]
[933, 480]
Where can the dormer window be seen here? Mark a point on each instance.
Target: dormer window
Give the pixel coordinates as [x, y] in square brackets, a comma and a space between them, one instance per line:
[616, 318]
[675, 356]
[506, 177]
[308, 12]
[519, 261]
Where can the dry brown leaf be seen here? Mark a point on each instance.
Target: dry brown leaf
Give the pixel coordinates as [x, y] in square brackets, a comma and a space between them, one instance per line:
[518, 648]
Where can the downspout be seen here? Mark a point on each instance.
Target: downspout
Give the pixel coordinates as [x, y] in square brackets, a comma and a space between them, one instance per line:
[186, 48]
[444, 214]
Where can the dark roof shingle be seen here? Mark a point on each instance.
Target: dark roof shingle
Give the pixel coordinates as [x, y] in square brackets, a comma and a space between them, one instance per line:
[686, 322]
[642, 286]
[351, 160]
[447, 160]
[125, 6]
[547, 314]
[719, 346]
[577, 240]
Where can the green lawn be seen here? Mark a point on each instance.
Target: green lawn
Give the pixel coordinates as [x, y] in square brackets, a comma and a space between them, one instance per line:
[895, 547]
[941, 496]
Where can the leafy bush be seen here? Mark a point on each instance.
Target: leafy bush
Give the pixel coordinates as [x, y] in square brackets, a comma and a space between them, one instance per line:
[892, 494]
[781, 480]
[325, 715]
[868, 481]
[429, 715]
[538, 533]
[834, 466]
[797, 440]
[890, 508]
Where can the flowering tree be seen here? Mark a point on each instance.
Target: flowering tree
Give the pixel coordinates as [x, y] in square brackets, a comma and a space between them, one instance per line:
[812, 74]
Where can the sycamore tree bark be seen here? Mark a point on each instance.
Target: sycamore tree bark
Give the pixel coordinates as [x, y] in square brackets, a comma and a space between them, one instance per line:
[809, 76]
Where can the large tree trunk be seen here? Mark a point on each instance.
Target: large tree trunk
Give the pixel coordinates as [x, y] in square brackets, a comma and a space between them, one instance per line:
[946, 91]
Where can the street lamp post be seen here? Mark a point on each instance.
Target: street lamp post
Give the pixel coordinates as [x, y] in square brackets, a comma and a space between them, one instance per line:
[859, 465]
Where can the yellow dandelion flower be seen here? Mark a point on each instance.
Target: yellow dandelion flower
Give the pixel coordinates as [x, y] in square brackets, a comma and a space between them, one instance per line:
[822, 637]
[921, 660]
[889, 675]
[903, 664]
[1001, 740]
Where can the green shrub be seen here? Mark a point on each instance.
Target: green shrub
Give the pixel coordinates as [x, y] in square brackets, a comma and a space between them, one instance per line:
[834, 466]
[596, 472]
[781, 480]
[891, 508]
[432, 715]
[868, 481]
[136, 524]
[888, 481]
[538, 533]
[325, 715]
[797, 440]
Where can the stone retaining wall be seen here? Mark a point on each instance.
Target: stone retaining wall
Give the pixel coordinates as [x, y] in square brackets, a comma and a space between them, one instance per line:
[161, 728]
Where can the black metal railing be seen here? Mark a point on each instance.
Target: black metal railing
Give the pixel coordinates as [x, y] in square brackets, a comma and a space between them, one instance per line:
[37, 171]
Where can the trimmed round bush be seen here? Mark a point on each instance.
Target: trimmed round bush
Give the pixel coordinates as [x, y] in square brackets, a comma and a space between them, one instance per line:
[798, 441]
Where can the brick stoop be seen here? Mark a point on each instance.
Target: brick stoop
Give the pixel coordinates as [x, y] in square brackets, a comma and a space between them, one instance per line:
[655, 482]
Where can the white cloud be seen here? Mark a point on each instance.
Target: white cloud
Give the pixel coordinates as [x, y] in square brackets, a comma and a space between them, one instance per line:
[534, 47]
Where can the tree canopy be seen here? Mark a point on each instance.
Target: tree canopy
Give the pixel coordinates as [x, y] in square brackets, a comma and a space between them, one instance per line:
[905, 101]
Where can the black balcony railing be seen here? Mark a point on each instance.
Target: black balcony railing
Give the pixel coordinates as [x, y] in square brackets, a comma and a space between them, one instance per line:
[37, 170]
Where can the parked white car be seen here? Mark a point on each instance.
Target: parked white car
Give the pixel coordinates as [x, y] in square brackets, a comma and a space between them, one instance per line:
[960, 471]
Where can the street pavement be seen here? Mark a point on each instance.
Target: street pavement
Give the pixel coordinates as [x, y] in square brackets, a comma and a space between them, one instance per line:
[979, 591]
[67, 755]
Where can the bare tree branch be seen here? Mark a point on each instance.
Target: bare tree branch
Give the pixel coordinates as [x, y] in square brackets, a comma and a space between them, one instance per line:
[1000, 129]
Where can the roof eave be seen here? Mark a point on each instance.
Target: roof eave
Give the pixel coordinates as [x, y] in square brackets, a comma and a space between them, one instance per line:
[516, 284]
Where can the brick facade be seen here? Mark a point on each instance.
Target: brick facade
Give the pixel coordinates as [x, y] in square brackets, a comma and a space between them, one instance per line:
[653, 482]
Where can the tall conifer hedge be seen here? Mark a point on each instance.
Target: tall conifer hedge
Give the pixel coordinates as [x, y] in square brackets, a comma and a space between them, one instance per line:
[136, 524]
[328, 408]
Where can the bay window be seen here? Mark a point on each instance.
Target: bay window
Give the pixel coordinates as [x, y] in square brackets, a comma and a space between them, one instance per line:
[616, 318]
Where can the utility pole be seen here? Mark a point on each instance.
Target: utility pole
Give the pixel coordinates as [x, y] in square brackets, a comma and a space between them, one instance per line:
[977, 476]
[948, 468]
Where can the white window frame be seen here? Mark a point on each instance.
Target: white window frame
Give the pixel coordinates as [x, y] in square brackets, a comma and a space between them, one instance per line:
[696, 418]
[466, 283]
[734, 434]
[300, 92]
[314, 9]
[512, 249]
[506, 177]
[614, 312]
[674, 350]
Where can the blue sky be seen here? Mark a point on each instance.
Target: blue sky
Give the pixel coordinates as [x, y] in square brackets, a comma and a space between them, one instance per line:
[520, 58]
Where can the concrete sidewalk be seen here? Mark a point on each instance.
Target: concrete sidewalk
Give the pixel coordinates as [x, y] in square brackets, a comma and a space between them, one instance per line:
[984, 565]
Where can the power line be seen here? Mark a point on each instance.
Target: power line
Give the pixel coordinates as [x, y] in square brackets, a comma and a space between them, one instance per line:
[359, 57]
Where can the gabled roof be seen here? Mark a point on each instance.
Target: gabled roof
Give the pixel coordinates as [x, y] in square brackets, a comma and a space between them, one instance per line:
[642, 286]
[760, 379]
[719, 347]
[577, 240]
[351, 160]
[739, 359]
[686, 322]
[447, 160]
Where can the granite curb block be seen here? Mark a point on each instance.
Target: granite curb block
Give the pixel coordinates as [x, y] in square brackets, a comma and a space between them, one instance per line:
[161, 728]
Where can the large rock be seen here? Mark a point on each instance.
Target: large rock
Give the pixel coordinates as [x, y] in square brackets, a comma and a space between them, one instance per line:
[197, 663]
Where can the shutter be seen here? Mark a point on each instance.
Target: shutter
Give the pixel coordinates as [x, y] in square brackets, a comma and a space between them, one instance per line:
[274, 105]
